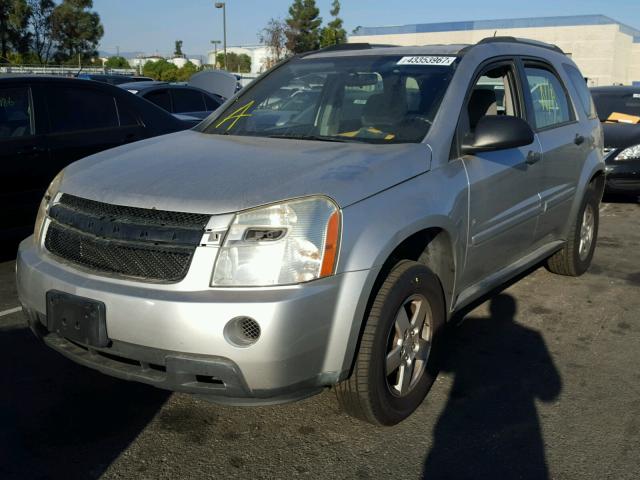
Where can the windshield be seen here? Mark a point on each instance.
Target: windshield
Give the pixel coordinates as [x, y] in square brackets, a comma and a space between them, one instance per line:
[373, 99]
[625, 101]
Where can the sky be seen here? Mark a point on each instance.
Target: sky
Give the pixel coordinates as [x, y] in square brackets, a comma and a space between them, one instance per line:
[152, 26]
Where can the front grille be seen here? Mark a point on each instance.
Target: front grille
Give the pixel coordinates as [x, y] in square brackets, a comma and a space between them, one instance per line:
[152, 245]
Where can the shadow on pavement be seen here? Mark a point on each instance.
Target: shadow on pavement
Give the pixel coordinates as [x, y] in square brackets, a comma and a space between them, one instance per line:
[490, 427]
[60, 420]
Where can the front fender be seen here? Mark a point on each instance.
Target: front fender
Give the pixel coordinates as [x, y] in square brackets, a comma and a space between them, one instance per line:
[374, 227]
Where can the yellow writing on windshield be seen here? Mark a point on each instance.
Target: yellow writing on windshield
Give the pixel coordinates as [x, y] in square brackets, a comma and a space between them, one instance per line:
[236, 115]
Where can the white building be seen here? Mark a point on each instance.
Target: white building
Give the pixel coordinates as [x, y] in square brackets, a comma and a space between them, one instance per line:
[259, 55]
[606, 50]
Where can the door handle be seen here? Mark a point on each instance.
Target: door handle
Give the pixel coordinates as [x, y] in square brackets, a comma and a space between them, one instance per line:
[533, 157]
[31, 149]
[579, 139]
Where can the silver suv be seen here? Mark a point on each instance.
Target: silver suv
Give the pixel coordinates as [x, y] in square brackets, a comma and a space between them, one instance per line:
[320, 228]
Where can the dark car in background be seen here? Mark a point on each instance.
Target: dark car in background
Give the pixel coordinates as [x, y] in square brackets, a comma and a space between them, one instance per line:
[112, 79]
[48, 122]
[177, 99]
[619, 109]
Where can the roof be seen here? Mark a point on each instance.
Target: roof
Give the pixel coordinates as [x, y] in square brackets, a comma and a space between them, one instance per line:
[533, 22]
[364, 49]
[32, 78]
[142, 85]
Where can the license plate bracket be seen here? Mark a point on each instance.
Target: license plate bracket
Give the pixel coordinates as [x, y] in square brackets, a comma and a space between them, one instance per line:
[79, 319]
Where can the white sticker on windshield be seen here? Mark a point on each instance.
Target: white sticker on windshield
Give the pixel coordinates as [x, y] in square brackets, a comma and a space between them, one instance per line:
[426, 60]
[636, 95]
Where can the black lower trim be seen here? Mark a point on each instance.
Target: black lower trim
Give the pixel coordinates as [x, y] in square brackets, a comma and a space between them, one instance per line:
[212, 378]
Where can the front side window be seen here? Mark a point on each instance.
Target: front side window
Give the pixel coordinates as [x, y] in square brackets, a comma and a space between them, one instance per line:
[15, 112]
[74, 109]
[548, 97]
[494, 93]
[372, 99]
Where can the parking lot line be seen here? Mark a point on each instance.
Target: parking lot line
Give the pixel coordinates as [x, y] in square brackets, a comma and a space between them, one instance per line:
[10, 311]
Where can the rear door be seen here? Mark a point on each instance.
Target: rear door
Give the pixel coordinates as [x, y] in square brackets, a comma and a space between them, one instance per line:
[503, 188]
[86, 120]
[564, 141]
[23, 158]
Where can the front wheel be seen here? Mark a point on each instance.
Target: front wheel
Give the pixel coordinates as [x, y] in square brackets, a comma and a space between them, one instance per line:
[397, 361]
[575, 257]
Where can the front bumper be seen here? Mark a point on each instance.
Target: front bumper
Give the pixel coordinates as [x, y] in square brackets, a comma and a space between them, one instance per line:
[171, 335]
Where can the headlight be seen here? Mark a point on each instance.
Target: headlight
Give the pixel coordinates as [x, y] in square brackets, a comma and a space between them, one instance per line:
[49, 195]
[286, 243]
[631, 153]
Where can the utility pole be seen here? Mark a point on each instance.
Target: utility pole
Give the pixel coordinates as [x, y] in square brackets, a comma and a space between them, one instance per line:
[223, 6]
[215, 52]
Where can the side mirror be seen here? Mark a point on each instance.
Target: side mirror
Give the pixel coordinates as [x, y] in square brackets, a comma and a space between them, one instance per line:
[495, 132]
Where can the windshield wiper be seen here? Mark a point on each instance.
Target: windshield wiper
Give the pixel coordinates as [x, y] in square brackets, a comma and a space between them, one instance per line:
[320, 138]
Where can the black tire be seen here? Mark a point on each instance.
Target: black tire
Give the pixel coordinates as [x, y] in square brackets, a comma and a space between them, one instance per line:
[366, 394]
[568, 260]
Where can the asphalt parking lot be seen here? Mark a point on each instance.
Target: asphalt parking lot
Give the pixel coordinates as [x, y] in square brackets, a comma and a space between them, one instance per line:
[540, 381]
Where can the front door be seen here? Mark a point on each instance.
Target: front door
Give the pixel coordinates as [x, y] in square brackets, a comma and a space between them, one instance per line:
[503, 185]
[23, 154]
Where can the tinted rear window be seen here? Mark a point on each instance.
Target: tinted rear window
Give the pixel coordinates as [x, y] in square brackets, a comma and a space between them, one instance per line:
[186, 100]
[73, 109]
[623, 101]
[161, 98]
[210, 103]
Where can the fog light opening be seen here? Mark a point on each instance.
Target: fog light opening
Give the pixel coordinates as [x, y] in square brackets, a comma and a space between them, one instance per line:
[242, 331]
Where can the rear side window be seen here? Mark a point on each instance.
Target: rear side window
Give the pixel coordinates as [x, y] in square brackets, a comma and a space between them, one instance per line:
[161, 98]
[186, 100]
[580, 85]
[15, 113]
[74, 109]
[126, 115]
[550, 103]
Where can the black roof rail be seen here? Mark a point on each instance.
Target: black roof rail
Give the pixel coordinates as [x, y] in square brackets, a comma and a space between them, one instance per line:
[346, 47]
[525, 41]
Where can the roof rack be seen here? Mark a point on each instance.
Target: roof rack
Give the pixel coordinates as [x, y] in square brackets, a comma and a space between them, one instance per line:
[525, 41]
[346, 47]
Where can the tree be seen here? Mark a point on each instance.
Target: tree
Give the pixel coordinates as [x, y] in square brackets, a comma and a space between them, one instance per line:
[304, 23]
[40, 24]
[117, 62]
[274, 36]
[236, 63]
[76, 30]
[14, 35]
[186, 72]
[333, 33]
[178, 50]
[161, 70]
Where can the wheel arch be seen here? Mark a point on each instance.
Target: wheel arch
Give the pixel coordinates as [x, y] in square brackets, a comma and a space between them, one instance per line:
[434, 248]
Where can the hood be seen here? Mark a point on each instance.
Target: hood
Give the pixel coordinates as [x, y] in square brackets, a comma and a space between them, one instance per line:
[218, 82]
[620, 135]
[197, 172]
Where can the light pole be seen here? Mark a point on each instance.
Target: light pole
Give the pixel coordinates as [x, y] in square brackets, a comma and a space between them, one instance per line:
[223, 6]
[215, 52]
